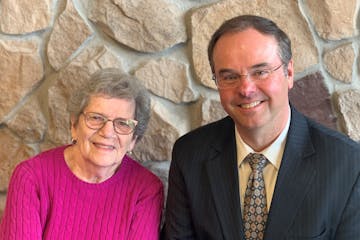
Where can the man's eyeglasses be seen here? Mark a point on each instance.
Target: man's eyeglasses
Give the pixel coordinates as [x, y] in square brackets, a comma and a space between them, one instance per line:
[96, 121]
[230, 79]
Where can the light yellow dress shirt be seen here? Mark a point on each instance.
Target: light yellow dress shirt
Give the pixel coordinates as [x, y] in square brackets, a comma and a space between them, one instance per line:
[273, 153]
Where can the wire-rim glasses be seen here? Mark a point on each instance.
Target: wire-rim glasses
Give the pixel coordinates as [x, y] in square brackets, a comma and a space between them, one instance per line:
[121, 126]
[230, 79]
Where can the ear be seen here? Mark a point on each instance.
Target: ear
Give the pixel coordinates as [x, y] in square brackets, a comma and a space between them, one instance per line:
[73, 124]
[132, 143]
[290, 74]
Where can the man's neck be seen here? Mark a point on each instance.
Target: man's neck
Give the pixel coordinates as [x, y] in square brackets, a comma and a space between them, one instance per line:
[261, 138]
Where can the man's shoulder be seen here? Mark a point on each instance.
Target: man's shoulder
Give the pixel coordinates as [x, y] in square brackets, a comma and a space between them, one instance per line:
[322, 135]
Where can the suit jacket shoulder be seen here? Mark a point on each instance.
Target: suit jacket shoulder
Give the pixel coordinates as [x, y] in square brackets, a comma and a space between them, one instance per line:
[214, 134]
[317, 189]
[203, 198]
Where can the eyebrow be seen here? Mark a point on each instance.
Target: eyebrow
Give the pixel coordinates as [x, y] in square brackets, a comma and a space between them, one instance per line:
[230, 70]
[103, 115]
[260, 65]
[227, 70]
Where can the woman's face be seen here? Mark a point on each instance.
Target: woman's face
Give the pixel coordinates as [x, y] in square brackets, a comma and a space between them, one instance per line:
[103, 148]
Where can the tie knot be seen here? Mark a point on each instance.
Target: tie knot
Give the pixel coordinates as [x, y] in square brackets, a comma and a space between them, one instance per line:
[257, 161]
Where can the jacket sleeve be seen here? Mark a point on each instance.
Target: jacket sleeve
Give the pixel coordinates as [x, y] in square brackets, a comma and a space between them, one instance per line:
[178, 223]
[349, 227]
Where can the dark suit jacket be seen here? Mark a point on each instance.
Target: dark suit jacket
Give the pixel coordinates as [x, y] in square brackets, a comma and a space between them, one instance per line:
[317, 192]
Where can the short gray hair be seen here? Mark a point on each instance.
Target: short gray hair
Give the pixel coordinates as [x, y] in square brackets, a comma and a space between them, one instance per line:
[113, 83]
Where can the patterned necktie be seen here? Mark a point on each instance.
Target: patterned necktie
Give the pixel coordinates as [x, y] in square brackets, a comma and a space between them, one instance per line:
[255, 210]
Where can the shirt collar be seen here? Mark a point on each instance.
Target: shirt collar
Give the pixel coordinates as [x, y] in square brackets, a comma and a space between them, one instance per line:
[273, 153]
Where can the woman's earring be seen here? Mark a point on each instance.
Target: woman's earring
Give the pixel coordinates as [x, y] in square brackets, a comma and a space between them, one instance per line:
[73, 141]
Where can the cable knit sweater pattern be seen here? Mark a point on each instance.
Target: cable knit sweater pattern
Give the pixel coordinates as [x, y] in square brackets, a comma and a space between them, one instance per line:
[47, 201]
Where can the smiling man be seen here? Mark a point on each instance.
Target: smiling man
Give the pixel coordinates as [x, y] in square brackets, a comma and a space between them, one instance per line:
[266, 171]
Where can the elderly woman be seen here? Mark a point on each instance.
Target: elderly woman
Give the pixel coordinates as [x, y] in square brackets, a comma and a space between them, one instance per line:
[90, 189]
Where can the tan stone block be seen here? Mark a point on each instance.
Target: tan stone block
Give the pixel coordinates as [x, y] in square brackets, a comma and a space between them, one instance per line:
[29, 122]
[21, 70]
[159, 137]
[2, 204]
[139, 24]
[47, 145]
[167, 78]
[211, 110]
[24, 16]
[69, 32]
[12, 151]
[333, 19]
[339, 62]
[349, 108]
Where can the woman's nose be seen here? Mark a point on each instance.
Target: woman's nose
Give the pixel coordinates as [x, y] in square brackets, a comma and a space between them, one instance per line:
[108, 129]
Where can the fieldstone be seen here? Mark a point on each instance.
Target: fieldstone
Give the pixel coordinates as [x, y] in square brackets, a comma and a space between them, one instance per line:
[139, 24]
[339, 62]
[206, 20]
[210, 110]
[2, 204]
[204, 1]
[337, 18]
[69, 80]
[167, 78]
[311, 97]
[12, 152]
[69, 32]
[29, 122]
[348, 104]
[159, 138]
[160, 169]
[23, 16]
[21, 70]
[47, 145]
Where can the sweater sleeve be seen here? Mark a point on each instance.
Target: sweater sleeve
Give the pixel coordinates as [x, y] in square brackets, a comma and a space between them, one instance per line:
[146, 219]
[21, 219]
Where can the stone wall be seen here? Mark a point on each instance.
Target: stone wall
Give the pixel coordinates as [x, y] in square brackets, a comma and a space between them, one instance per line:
[49, 47]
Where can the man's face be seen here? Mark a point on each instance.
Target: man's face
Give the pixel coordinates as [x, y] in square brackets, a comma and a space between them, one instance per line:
[254, 104]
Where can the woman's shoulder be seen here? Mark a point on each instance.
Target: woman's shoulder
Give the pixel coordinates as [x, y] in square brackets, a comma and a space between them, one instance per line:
[42, 161]
[139, 172]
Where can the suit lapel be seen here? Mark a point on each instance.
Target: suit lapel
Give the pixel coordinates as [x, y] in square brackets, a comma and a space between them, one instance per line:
[224, 184]
[295, 176]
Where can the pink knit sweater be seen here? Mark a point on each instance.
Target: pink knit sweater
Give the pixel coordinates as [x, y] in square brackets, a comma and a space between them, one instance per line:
[46, 201]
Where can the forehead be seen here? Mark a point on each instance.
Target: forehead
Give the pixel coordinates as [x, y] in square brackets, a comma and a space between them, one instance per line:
[248, 46]
[111, 106]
